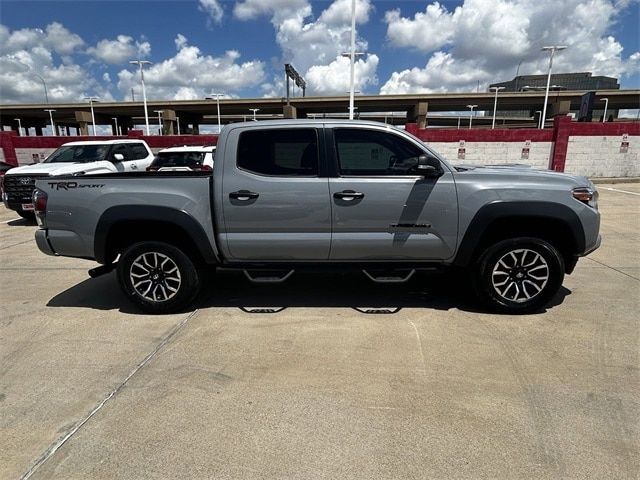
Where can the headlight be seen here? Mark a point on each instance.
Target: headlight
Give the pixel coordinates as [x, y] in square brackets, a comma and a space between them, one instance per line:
[586, 195]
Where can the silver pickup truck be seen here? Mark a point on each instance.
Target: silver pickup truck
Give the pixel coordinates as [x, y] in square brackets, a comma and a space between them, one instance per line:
[300, 194]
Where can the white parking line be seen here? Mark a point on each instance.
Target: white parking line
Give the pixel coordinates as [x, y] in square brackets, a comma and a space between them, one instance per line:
[621, 191]
[12, 220]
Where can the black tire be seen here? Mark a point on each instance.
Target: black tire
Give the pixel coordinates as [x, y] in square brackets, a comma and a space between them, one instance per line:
[160, 268]
[519, 275]
[27, 214]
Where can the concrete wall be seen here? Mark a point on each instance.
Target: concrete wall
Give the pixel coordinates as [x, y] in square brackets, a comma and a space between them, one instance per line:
[590, 149]
[486, 153]
[603, 156]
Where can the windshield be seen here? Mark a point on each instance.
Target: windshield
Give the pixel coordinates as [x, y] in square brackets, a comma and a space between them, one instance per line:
[78, 154]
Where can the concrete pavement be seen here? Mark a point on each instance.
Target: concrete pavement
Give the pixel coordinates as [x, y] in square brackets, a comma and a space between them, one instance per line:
[89, 388]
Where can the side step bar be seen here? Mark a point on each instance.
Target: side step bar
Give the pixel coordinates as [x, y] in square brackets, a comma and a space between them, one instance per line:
[390, 276]
[267, 276]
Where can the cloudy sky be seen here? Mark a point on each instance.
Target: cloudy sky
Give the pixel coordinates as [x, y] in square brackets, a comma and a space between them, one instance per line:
[239, 47]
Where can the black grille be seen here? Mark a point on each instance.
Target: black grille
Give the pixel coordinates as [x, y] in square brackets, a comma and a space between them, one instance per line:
[19, 188]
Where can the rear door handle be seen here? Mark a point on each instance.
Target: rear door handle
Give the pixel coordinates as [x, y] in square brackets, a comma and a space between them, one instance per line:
[243, 195]
[348, 195]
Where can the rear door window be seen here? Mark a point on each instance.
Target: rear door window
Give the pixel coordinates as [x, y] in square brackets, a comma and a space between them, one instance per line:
[123, 150]
[138, 151]
[279, 152]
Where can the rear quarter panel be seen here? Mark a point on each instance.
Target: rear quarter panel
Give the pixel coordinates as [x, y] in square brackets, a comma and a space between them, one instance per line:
[75, 205]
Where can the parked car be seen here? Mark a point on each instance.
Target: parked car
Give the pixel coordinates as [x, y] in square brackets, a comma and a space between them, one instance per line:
[183, 159]
[74, 158]
[295, 195]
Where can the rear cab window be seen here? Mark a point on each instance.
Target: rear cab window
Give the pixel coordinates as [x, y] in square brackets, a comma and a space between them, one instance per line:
[179, 159]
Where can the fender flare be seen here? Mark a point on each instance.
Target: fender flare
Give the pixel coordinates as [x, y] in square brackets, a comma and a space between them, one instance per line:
[493, 211]
[152, 213]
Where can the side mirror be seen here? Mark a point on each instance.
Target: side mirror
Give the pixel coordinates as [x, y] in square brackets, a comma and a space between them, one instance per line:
[427, 168]
[118, 157]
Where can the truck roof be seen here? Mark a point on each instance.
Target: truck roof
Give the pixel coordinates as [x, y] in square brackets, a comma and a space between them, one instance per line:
[307, 121]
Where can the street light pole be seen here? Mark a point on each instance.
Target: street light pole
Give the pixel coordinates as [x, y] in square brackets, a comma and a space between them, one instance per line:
[606, 104]
[93, 117]
[254, 110]
[115, 119]
[159, 112]
[53, 129]
[471, 107]
[140, 64]
[178, 124]
[352, 60]
[495, 104]
[218, 106]
[553, 49]
[19, 126]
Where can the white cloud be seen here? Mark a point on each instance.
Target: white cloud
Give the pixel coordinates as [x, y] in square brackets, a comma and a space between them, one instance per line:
[279, 10]
[29, 57]
[120, 50]
[335, 77]
[61, 40]
[441, 73]
[475, 43]
[421, 32]
[213, 9]
[191, 74]
[313, 47]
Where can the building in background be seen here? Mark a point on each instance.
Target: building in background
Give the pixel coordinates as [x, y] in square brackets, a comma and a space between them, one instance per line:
[559, 81]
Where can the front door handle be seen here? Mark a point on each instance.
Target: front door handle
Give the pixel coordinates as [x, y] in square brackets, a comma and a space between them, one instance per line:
[243, 195]
[348, 195]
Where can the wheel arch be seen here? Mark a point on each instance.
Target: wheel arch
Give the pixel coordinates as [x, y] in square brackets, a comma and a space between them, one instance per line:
[124, 225]
[556, 223]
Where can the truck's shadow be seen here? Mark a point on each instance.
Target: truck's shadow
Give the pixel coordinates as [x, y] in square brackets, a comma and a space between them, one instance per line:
[346, 290]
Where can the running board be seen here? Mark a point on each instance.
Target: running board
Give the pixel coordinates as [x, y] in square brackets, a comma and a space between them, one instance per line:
[388, 277]
[264, 277]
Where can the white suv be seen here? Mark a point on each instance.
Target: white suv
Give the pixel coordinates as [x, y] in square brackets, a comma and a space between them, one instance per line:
[74, 158]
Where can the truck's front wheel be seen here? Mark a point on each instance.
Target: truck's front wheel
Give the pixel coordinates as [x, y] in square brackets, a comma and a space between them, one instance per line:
[519, 275]
[158, 277]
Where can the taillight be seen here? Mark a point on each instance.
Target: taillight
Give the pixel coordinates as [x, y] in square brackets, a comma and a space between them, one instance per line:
[206, 168]
[152, 169]
[40, 206]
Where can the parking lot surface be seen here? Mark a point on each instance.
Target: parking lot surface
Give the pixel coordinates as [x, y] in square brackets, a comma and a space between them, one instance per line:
[427, 387]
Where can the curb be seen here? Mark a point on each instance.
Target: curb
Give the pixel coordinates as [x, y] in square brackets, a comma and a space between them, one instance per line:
[601, 180]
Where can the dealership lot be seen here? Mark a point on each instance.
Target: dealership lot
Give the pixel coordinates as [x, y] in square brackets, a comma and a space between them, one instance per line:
[350, 380]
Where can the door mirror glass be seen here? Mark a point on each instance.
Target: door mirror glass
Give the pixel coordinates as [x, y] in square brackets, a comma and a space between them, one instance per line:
[118, 157]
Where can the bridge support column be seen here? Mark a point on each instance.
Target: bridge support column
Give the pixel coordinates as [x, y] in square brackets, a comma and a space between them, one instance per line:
[418, 114]
[561, 107]
[84, 119]
[168, 121]
[289, 111]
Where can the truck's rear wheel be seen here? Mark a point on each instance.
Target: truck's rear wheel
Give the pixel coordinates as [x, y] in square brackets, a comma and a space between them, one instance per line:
[158, 277]
[519, 275]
